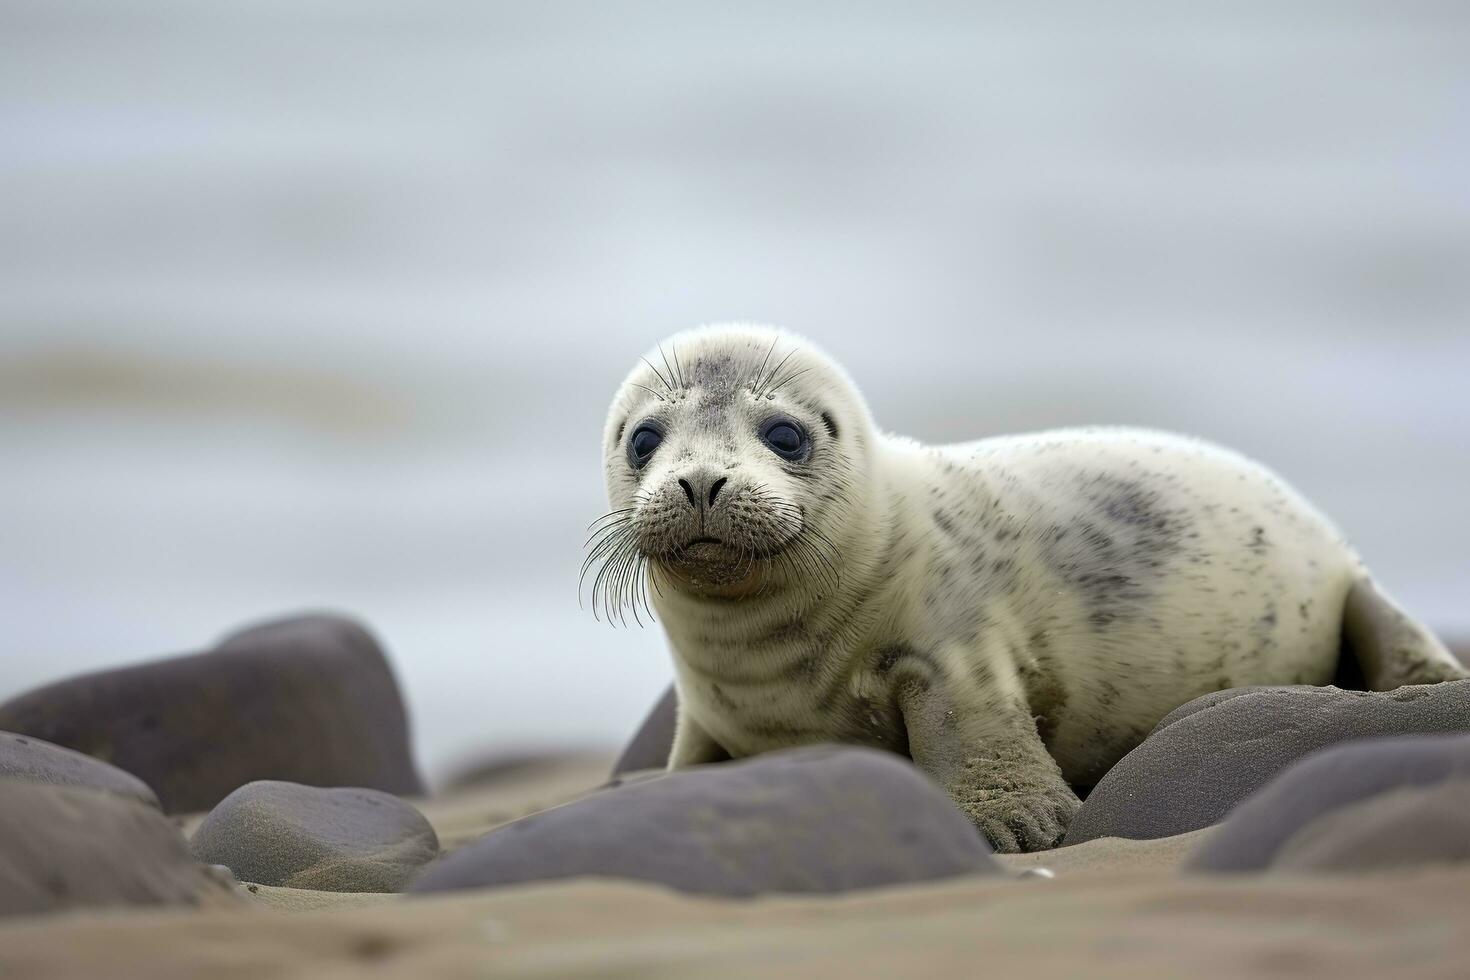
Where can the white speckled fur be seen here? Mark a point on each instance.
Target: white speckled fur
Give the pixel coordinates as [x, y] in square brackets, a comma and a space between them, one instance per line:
[1014, 613]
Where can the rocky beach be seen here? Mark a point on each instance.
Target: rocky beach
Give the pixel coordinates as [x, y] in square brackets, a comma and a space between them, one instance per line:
[254, 809]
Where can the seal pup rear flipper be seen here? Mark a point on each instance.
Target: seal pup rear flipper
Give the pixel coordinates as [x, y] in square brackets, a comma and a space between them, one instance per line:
[1391, 647]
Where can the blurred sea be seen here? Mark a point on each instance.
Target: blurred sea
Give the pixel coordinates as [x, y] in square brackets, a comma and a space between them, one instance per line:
[319, 304]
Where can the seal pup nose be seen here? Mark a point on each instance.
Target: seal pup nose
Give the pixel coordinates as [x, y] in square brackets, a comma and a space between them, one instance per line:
[695, 496]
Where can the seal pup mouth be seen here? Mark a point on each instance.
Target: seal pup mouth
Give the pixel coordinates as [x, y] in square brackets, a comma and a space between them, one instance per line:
[705, 552]
[708, 562]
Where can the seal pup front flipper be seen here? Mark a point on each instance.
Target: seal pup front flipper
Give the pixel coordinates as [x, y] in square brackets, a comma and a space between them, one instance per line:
[1393, 648]
[983, 748]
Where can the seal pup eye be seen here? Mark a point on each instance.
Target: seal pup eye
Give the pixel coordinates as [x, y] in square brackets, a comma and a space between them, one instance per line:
[645, 440]
[786, 438]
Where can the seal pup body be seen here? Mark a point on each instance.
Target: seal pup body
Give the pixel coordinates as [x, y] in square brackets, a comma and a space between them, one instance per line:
[1013, 614]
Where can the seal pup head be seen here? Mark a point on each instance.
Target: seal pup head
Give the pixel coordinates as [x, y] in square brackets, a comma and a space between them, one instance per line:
[733, 457]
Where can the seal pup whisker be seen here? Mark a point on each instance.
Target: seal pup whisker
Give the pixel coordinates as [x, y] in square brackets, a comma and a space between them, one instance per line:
[760, 371]
[611, 513]
[790, 377]
[667, 386]
[612, 522]
[608, 552]
[668, 367]
[673, 345]
[651, 392]
[760, 389]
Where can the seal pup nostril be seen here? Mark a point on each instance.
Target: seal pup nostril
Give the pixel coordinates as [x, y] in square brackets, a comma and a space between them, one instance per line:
[689, 492]
[715, 489]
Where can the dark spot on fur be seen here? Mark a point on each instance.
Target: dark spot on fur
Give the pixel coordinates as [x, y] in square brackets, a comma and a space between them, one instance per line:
[945, 524]
[1118, 553]
[623, 425]
[721, 698]
[911, 670]
[831, 425]
[889, 655]
[711, 371]
[804, 667]
[790, 631]
[1045, 696]
[984, 676]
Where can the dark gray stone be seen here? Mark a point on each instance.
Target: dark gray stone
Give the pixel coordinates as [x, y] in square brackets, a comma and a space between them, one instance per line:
[654, 739]
[1344, 807]
[310, 699]
[1201, 761]
[73, 847]
[1398, 829]
[294, 836]
[1220, 697]
[32, 760]
[817, 819]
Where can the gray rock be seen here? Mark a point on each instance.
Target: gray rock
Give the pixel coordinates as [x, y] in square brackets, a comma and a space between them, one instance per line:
[1220, 697]
[72, 847]
[1201, 761]
[817, 819]
[311, 700]
[1399, 829]
[654, 739]
[294, 836]
[32, 760]
[1372, 803]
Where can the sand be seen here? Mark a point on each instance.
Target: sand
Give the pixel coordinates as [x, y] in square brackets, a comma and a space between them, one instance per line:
[1115, 909]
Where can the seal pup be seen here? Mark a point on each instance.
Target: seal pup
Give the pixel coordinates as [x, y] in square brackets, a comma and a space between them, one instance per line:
[1013, 614]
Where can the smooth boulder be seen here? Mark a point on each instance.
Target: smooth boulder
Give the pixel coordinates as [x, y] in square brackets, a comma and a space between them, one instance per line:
[816, 819]
[294, 836]
[73, 847]
[309, 699]
[1371, 804]
[650, 746]
[1400, 829]
[1202, 761]
[33, 760]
